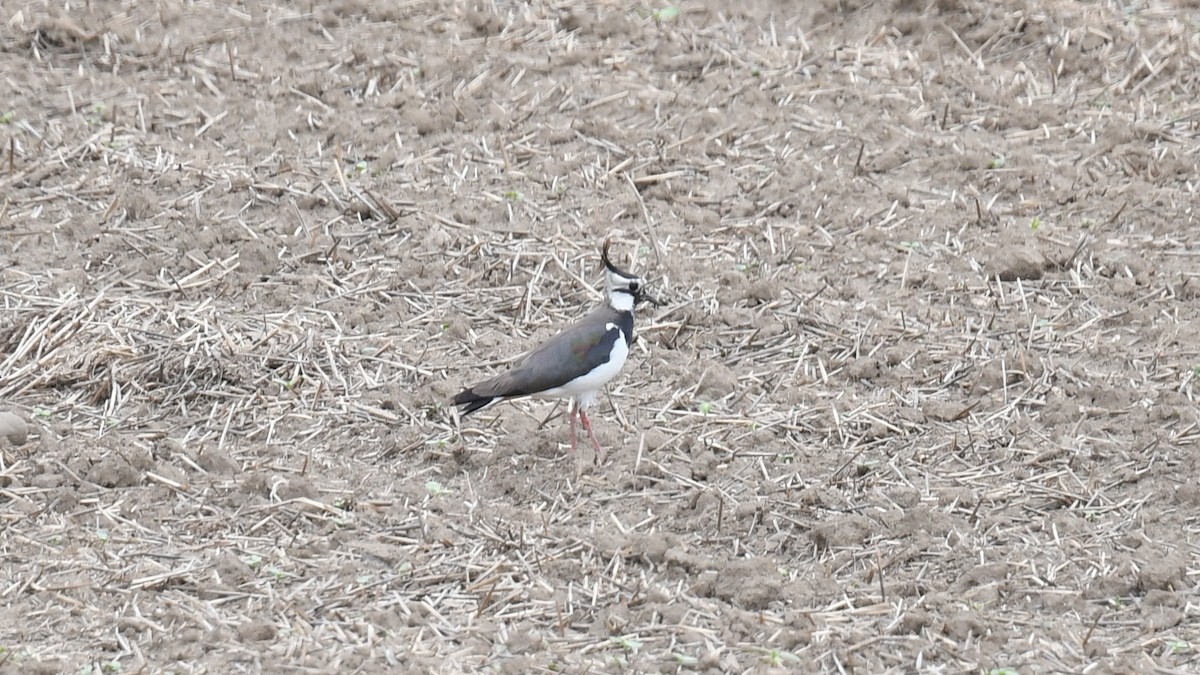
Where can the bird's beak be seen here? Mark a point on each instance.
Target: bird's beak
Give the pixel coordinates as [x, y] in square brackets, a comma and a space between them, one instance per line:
[643, 296]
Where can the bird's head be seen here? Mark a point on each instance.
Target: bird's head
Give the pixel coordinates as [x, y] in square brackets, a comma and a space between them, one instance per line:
[624, 289]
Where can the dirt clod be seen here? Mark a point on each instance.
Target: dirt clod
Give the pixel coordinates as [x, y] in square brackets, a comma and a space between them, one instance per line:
[257, 631]
[843, 531]
[13, 428]
[113, 471]
[1015, 263]
[1161, 570]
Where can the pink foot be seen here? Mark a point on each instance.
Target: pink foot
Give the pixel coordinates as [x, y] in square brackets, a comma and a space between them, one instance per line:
[587, 424]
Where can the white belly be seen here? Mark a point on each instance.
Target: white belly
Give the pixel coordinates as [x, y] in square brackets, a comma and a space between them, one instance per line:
[584, 388]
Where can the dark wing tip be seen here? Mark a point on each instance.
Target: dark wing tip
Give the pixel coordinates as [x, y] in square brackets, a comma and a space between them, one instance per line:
[471, 401]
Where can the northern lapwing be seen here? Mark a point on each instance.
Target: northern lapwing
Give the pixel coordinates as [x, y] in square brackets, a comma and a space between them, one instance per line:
[577, 362]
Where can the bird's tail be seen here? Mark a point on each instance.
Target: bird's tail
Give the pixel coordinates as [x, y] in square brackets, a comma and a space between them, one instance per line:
[472, 401]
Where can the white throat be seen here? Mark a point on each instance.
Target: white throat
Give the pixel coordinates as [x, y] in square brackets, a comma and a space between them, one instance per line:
[621, 302]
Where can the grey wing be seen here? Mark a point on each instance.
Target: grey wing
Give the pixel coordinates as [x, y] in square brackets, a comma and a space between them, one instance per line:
[566, 356]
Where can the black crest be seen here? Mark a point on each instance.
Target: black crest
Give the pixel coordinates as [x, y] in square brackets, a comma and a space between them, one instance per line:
[609, 263]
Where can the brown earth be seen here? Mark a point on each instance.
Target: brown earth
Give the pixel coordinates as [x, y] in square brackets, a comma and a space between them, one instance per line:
[922, 397]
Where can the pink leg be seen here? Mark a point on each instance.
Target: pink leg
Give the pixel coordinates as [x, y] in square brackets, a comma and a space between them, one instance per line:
[587, 424]
[571, 414]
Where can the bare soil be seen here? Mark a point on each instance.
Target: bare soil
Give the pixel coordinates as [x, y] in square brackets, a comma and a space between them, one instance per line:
[922, 397]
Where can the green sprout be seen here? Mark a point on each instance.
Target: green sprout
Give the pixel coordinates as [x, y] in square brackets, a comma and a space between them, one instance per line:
[1003, 671]
[705, 407]
[777, 658]
[291, 384]
[755, 72]
[8, 117]
[1035, 223]
[1196, 370]
[685, 660]
[629, 644]
[435, 488]
[102, 535]
[665, 14]
[996, 163]
[514, 196]
[253, 561]
[749, 269]
[442, 444]
[96, 113]
[276, 573]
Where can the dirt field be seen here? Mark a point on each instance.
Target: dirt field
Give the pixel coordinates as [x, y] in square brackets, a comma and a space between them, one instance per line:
[922, 397]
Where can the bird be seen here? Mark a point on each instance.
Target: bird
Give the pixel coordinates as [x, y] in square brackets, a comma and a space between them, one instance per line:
[576, 363]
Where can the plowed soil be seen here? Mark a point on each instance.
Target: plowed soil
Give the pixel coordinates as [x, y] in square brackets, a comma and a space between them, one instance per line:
[921, 397]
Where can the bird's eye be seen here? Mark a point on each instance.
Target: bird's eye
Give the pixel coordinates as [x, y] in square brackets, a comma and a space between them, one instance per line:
[633, 286]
